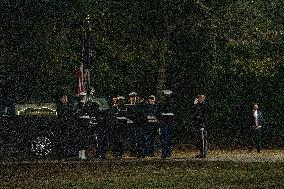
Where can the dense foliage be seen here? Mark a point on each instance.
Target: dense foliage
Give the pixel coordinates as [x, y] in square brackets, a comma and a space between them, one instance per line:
[230, 50]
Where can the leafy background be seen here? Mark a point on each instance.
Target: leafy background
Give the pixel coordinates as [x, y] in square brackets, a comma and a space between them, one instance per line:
[230, 50]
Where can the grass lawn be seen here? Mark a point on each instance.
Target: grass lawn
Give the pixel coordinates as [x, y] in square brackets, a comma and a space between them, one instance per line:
[152, 173]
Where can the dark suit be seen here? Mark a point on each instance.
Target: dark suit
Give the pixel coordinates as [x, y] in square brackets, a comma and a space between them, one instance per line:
[65, 110]
[255, 133]
[200, 130]
[68, 146]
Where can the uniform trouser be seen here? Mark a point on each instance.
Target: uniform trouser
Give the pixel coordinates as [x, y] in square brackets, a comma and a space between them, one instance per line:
[150, 130]
[166, 139]
[255, 138]
[66, 145]
[118, 138]
[201, 141]
[73, 137]
[102, 141]
[141, 142]
[131, 139]
[136, 139]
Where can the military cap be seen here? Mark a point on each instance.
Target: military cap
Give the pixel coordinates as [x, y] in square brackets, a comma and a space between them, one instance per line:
[83, 93]
[132, 94]
[120, 98]
[167, 92]
[152, 96]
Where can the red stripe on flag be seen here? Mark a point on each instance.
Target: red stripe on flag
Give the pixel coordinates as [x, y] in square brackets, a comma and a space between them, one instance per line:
[81, 85]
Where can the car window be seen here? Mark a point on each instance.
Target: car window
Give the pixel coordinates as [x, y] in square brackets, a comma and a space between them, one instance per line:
[44, 109]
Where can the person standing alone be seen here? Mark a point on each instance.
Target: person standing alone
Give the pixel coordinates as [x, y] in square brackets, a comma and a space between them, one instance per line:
[201, 122]
[256, 124]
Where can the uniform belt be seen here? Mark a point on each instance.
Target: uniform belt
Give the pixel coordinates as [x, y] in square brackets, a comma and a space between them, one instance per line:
[129, 121]
[167, 114]
[152, 119]
[85, 117]
[121, 118]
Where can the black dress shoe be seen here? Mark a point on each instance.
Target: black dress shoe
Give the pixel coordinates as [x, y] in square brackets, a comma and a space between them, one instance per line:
[102, 157]
[200, 156]
[165, 157]
[249, 150]
[118, 157]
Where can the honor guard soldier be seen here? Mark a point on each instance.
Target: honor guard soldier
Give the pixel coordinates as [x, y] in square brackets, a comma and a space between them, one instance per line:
[201, 122]
[114, 101]
[132, 123]
[135, 126]
[167, 122]
[118, 128]
[81, 104]
[151, 126]
[87, 110]
[98, 128]
[84, 118]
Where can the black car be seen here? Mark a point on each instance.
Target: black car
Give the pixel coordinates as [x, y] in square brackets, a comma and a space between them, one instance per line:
[35, 130]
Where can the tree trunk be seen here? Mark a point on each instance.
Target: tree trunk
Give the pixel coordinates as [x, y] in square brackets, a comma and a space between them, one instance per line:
[161, 83]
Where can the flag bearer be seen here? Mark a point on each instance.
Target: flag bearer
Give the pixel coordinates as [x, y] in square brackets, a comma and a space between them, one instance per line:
[84, 119]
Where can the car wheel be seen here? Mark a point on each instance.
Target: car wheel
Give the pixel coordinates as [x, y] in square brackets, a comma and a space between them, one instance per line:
[41, 146]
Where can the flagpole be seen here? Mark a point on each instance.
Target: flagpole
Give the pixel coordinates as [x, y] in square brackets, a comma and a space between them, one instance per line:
[87, 55]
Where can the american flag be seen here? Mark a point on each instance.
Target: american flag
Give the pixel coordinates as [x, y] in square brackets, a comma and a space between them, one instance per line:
[81, 85]
[84, 72]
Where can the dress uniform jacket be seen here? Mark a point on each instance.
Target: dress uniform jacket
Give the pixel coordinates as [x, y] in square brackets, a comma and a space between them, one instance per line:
[166, 122]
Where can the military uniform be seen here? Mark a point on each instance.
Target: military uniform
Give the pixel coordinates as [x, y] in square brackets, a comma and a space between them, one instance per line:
[84, 115]
[118, 129]
[150, 128]
[98, 128]
[135, 126]
[166, 122]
